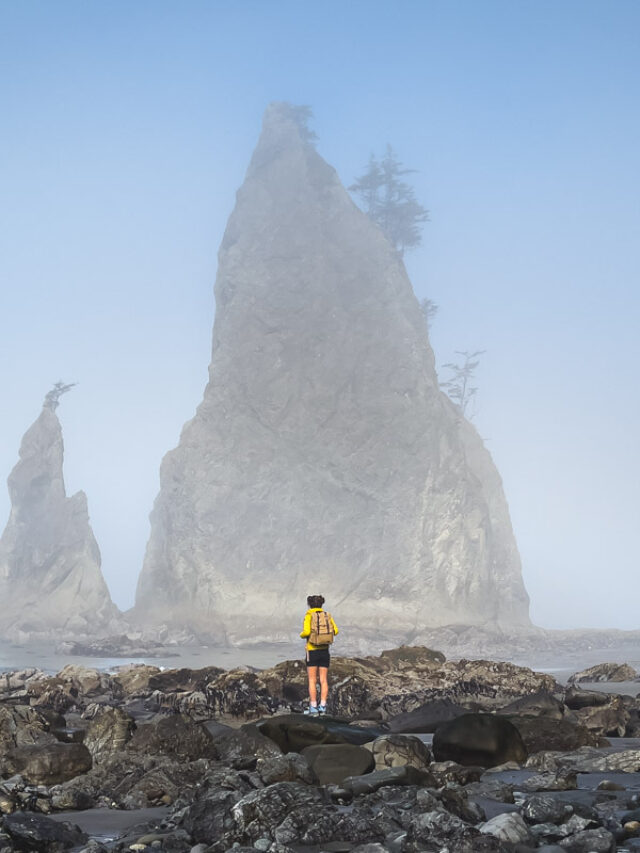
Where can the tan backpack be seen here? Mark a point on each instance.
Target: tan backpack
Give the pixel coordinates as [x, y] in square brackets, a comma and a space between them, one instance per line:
[321, 628]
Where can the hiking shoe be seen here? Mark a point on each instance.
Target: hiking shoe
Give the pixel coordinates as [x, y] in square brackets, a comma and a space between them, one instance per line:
[312, 711]
[322, 709]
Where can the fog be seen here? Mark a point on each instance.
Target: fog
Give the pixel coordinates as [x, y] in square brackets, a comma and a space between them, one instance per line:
[126, 131]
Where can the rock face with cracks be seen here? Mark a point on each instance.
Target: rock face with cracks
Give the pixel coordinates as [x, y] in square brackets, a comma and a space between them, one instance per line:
[324, 453]
[50, 576]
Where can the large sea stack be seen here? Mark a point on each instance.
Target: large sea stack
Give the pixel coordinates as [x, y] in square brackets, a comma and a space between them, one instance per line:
[324, 457]
[51, 583]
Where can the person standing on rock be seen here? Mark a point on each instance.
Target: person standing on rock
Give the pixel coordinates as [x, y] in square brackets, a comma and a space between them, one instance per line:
[318, 630]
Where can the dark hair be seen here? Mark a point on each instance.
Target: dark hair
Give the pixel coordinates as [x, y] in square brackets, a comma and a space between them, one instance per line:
[315, 600]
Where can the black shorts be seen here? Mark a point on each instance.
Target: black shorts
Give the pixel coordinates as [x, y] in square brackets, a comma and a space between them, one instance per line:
[318, 657]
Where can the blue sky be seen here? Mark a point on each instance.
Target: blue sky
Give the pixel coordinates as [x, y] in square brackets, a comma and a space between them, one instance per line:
[126, 129]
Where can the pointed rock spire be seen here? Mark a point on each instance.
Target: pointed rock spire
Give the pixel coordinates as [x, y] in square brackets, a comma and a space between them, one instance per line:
[324, 457]
[51, 583]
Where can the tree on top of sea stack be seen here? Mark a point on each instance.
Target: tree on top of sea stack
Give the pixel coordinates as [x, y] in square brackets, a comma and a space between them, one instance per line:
[391, 202]
[324, 451]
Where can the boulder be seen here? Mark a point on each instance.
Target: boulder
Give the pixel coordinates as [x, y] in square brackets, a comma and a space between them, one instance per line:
[479, 739]
[48, 764]
[398, 751]
[577, 698]
[545, 733]
[36, 832]
[333, 762]
[542, 704]
[294, 732]
[390, 776]
[426, 718]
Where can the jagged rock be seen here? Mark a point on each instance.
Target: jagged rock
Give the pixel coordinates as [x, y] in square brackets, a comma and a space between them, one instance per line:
[608, 720]
[449, 772]
[241, 749]
[260, 813]
[542, 808]
[334, 762]
[587, 759]
[50, 576]
[379, 687]
[605, 672]
[88, 682]
[589, 841]
[22, 726]
[210, 818]
[491, 789]
[48, 764]
[291, 767]
[175, 736]
[479, 739]
[128, 780]
[133, 680]
[108, 733]
[440, 828]
[184, 680]
[562, 780]
[508, 827]
[323, 439]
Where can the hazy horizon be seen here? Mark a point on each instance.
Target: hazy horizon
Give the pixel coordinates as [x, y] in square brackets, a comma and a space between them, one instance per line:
[127, 131]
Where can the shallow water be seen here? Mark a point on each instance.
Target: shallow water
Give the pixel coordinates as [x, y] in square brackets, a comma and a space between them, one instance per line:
[195, 657]
[107, 825]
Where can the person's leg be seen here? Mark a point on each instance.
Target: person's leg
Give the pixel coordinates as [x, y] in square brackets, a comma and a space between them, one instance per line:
[312, 675]
[324, 684]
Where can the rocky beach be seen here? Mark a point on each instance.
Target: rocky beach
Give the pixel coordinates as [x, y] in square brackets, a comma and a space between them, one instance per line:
[419, 752]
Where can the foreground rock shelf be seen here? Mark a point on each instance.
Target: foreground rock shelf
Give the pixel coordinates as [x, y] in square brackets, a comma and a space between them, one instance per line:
[212, 758]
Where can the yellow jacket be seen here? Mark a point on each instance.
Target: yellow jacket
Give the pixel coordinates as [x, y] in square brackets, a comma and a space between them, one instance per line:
[306, 628]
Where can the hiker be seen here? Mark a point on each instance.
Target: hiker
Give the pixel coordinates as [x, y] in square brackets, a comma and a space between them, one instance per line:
[318, 630]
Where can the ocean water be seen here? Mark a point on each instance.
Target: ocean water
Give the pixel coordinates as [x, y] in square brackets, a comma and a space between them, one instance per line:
[195, 657]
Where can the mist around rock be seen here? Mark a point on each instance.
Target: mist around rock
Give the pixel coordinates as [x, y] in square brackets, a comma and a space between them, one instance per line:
[324, 456]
